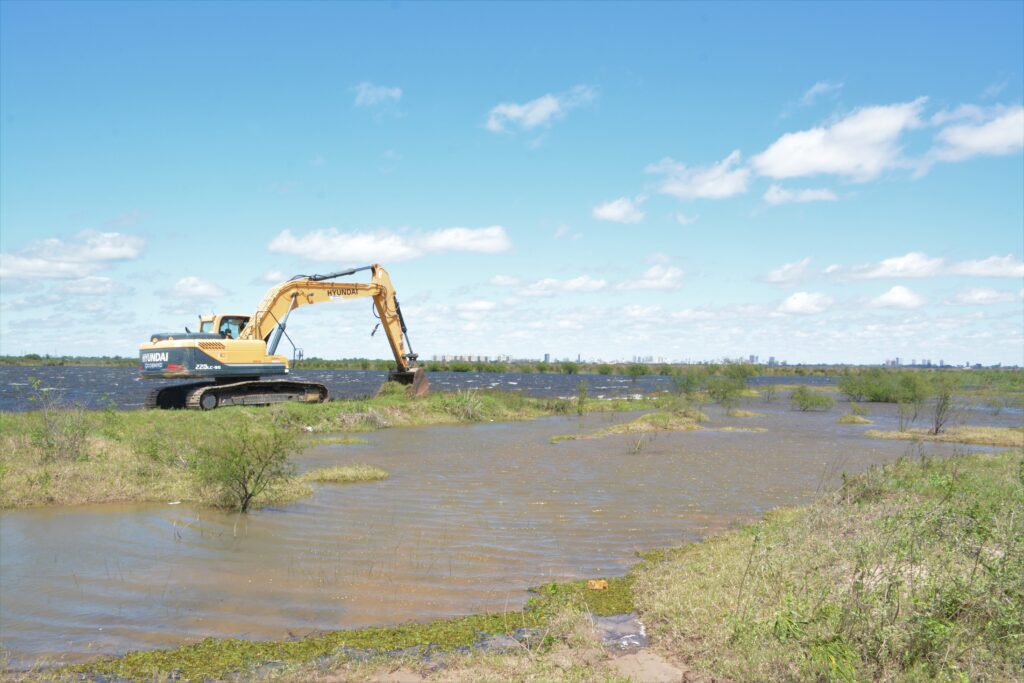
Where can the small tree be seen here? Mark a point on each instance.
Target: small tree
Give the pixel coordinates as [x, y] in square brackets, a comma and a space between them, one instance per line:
[581, 397]
[687, 382]
[246, 461]
[725, 391]
[804, 399]
[636, 370]
[570, 368]
[942, 387]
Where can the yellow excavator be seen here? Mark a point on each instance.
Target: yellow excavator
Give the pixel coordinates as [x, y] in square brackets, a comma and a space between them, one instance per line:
[235, 357]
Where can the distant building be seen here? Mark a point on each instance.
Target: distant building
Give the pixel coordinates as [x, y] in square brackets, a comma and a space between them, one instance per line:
[547, 357]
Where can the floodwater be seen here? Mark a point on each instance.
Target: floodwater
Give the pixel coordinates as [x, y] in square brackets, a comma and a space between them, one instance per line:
[470, 517]
[121, 388]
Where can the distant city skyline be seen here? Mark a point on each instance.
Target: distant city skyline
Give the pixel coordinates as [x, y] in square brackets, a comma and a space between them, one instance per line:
[609, 180]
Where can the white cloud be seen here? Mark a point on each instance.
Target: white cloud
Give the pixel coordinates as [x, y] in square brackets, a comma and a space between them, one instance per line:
[656, 277]
[717, 181]
[805, 303]
[490, 240]
[504, 281]
[551, 286]
[621, 210]
[83, 255]
[899, 297]
[388, 247]
[789, 272]
[776, 195]
[538, 112]
[859, 146]
[916, 265]
[993, 266]
[369, 95]
[817, 90]
[1002, 134]
[193, 287]
[983, 296]
[683, 219]
[479, 306]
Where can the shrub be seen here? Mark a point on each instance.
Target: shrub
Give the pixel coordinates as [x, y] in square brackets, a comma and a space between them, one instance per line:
[570, 368]
[604, 369]
[805, 399]
[581, 397]
[636, 370]
[725, 391]
[687, 382]
[241, 463]
[62, 430]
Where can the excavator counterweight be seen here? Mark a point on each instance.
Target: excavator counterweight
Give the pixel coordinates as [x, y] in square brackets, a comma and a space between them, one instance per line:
[236, 355]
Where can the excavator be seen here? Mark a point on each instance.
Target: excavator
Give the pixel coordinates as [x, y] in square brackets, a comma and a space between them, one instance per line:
[235, 355]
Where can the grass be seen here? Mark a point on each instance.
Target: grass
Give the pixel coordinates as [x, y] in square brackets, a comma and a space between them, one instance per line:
[851, 419]
[681, 420]
[744, 413]
[344, 474]
[339, 440]
[980, 436]
[69, 456]
[914, 571]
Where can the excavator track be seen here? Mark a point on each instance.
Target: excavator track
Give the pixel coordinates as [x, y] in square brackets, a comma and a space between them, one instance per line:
[208, 396]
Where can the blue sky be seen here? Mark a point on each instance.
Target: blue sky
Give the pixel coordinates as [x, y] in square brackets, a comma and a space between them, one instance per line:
[816, 182]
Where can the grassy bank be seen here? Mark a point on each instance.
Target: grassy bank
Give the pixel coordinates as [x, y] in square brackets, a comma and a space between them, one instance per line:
[68, 456]
[669, 418]
[914, 571]
[1010, 437]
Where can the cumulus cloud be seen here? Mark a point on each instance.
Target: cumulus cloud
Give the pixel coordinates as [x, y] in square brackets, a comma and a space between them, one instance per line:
[805, 303]
[480, 306]
[777, 194]
[899, 297]
[78, 257]
[717, 181]
[621, 210]
[1000, 134]
[917, 264]
[641, 311]
[540, 111]
[789, 272]
[386, 246]
[551, 286]
[656, 277]
[683, 219]
[993, 266]
[192, 287]
[980, 296]
[859, 147]
[370, 95]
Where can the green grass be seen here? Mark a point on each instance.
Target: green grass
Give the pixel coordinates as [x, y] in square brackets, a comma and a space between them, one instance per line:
[977, 435]
[909, 572]
[343, 474]
[337, 440]
[852, 419]
[679, 420]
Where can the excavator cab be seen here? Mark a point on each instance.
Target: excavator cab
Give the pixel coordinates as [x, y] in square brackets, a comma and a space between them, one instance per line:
[227, 326]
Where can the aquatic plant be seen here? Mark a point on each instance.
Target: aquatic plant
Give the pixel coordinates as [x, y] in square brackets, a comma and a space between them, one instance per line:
[805, 399]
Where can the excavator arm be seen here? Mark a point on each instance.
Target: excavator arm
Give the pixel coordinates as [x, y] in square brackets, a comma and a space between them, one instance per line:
[269, 321]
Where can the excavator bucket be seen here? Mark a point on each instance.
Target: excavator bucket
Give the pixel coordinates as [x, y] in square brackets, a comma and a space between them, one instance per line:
[415, 379]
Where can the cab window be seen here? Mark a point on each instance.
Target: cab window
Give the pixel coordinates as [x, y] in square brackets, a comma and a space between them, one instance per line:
[206, 326]
[231, 328]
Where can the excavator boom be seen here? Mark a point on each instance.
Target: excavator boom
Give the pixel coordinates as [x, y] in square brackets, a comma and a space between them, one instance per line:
[237, 351]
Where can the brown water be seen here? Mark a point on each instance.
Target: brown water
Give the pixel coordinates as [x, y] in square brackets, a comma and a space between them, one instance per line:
[470, 517]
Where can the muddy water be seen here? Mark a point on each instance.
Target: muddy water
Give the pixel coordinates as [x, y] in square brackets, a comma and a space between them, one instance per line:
[469, 518]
